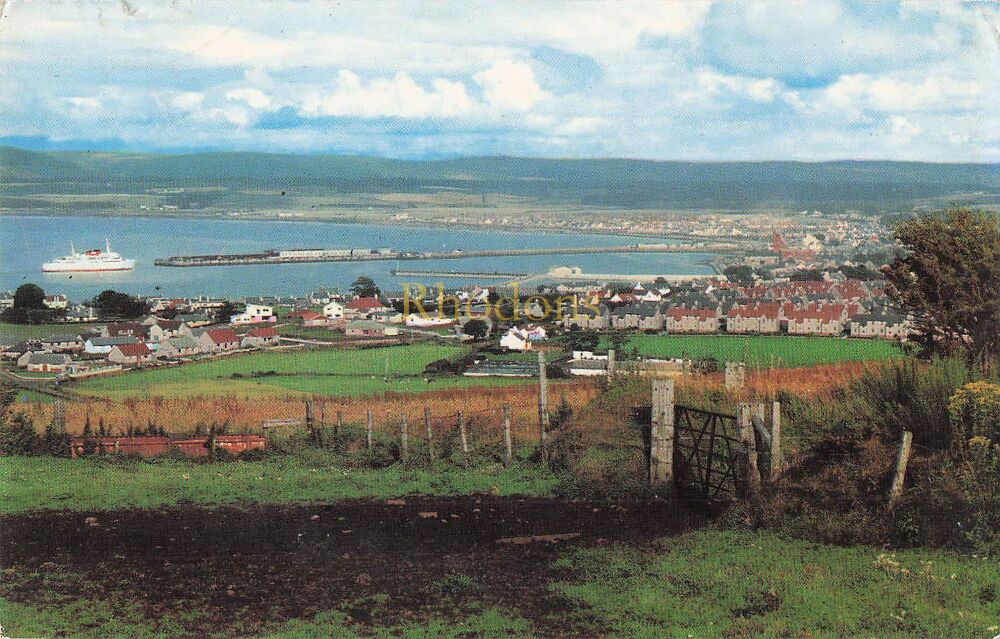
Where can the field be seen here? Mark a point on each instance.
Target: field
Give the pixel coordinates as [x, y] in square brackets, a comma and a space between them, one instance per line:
[765, 351]
[468, 567]
[374, 371]
[33, 331]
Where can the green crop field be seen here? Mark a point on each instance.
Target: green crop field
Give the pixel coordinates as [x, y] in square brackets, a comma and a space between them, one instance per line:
[321, 372]
[765, 351]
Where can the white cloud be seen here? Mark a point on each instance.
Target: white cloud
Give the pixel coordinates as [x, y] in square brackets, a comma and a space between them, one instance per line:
[509, 86]
[900, 127]
[579, 126]
[399, 96]
[757, 89]
[892, 94]
[82, 102]
[255, 98]
[187, 100]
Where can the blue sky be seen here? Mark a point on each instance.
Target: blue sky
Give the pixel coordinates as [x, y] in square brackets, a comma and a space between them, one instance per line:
[666, 80]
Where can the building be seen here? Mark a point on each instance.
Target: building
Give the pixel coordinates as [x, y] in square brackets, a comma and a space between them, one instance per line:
[103, 345]
[333, 310]
[260, 336]
[178, 346]
[363, 307]
[120, 329]
[255, 314]
[131, 354]
[63, 343]
[38, 362]
[218, 340]
[522, 339]
[647, 316]
[754, 318]
[161, 329]
[883, 325]
[57, 302]
[370, 328]
[691, 320]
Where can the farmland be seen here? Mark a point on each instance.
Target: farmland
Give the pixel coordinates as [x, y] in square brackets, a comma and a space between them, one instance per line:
[34, 331]
[374, 371]
[765, 351]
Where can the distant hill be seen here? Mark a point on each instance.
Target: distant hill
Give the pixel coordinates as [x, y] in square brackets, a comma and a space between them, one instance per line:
[866, 186]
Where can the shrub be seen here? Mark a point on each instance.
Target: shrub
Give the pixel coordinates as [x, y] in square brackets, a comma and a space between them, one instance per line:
[975, 416]
[18, 436]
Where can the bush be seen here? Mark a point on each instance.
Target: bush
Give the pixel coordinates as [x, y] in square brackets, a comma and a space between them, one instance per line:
[909, 395]
[18, 436]
[975, 416]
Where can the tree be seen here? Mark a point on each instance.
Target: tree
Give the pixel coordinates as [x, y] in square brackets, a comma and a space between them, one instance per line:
[739, 274]
[365, 287]
[114, 305]
[29, 307]
[577, 340]
[476, 328]
[225, 312]
[29, 296]
[949, 279]
[807, 275]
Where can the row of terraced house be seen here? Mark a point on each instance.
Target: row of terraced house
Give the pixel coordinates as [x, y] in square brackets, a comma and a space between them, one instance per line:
[795, 308]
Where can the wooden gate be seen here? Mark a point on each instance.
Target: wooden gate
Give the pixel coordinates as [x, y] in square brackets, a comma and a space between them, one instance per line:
[707, 450]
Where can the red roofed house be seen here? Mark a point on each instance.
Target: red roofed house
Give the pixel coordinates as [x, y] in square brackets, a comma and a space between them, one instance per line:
[828, 319]
[259, 337]
[130, 329]
[135, 354]
[754, 318]
[692, 320]
[218, 340]
[363, 307]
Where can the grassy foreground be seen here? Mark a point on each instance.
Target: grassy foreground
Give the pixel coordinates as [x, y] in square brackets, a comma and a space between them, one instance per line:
[39, 483]
[766, 351]
[703, 584]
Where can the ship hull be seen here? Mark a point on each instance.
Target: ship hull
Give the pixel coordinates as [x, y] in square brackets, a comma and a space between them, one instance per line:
[86, 268]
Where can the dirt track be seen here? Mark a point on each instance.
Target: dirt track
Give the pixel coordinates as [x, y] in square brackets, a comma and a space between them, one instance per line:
[249, 565]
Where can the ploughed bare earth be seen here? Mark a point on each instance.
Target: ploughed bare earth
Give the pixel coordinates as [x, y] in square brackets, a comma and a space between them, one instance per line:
[244, 567]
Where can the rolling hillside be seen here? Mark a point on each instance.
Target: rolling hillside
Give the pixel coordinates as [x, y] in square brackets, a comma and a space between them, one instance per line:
[866, 186]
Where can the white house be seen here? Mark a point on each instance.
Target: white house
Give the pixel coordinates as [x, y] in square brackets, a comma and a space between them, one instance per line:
[255, 314]
[521, 339]
[333, 310]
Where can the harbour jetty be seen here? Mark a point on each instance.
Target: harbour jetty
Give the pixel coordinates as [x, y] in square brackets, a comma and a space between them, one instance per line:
[297, 256]
[483, 275]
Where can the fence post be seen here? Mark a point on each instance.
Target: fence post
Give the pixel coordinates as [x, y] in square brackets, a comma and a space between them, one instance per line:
[403, 443]
[900, 475]
[507, 443]
[340, 421]
[430, 434]
[543, 403]
[462, 434]
[777, 461]
[310, 422]
[661, 441]
[611, 364]
[748, 442]
[368, 430]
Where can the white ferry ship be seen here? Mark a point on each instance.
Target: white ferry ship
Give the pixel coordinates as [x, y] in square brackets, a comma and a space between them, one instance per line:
[94, 260]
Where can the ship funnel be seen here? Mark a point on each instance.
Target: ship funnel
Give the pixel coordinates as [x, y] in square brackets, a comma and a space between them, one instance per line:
[107, 245]
[72, 248]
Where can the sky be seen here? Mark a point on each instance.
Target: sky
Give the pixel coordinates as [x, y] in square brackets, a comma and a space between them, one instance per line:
[816, 80]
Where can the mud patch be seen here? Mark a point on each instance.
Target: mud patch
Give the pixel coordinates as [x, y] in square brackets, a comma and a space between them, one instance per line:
[243, 568]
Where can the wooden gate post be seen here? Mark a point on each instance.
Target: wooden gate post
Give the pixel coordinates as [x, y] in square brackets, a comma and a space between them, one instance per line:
[543, 403]
[748, 444]
[462, 434]
[777, 461]
[430, 434]
[508, 444]
[661, 451]
[368, 430]
[896, 491]
[403, 440]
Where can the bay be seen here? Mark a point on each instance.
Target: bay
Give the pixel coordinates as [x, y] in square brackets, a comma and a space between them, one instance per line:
[26, 241]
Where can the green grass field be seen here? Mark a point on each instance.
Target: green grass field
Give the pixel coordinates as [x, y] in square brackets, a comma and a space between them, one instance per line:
[40, 483]
[765, 351]
[704, 584]
[321, 372]
[34, 331]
